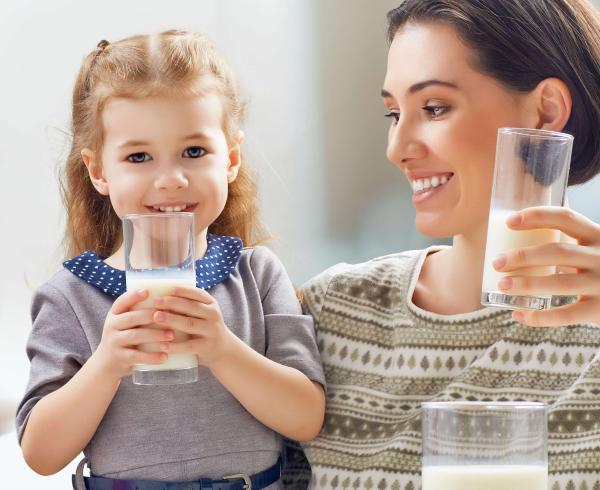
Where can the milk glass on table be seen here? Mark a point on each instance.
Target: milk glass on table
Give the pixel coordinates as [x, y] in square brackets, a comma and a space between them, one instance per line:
[159, 255]
[532, 169]
[484, 446]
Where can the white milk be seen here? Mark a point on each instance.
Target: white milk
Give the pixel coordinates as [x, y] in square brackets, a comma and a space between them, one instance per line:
[485, 477]
[157, 287]
[501, 239]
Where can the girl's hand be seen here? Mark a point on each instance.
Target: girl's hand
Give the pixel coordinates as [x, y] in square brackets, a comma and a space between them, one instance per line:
[579, 263]
[195, 312]
[123, 332]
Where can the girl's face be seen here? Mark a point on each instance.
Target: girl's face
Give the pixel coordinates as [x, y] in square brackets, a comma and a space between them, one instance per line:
[165, 154]
[444, 119]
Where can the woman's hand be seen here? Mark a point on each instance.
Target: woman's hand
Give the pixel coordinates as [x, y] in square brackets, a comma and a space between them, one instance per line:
[195, 312]
[124, 330]
[578, 266]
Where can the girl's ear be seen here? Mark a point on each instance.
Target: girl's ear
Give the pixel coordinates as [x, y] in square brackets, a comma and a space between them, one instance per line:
[553, 103]
[235, 158]
[95, 171]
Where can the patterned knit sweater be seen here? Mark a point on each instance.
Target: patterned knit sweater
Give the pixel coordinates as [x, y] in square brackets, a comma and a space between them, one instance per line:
[384, 356]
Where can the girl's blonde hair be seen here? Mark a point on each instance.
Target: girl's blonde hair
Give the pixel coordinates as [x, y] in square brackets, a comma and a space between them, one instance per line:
[176, 63]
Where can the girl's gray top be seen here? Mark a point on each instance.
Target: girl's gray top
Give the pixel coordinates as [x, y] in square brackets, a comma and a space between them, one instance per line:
[180, 432]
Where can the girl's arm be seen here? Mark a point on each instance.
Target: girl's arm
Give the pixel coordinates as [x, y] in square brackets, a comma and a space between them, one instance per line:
[280, 397]
[62, 423]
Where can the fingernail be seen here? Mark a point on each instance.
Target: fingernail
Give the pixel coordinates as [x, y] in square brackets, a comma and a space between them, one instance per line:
[163, 358]
[514, 219]
[164, 346]
[518, 316]
[159, 301]
[169, 335]
[141, 292]
[505, 283]
[159, 316]
[499, 261]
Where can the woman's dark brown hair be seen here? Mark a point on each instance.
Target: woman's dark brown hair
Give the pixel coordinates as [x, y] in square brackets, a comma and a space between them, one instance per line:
[522, 42]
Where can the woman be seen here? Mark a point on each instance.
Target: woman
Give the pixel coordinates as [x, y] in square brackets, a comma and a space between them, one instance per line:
[407, 328]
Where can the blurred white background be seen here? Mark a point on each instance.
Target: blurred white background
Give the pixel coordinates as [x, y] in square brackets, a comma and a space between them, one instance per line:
[311, 72]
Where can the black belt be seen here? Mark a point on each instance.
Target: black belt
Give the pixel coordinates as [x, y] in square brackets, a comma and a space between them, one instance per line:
[233, 482]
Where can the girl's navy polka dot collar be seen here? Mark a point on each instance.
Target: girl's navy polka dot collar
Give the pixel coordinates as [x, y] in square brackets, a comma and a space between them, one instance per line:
[221, 258]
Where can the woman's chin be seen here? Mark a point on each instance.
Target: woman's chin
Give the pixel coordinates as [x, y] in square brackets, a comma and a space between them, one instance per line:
[434, 228]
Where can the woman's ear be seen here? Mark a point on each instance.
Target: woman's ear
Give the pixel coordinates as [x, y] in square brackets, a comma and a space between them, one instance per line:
[553, 103]
[95, 171]
[235, 158]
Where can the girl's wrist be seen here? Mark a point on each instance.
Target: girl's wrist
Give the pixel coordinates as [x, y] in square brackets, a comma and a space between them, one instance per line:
[100, 367]
[233, 349]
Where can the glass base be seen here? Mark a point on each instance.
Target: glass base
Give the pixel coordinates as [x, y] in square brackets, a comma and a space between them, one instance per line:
[165, 377]
[501, 300]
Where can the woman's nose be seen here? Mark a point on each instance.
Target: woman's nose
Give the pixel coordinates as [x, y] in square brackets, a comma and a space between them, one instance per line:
[404, 144]
[170, 177]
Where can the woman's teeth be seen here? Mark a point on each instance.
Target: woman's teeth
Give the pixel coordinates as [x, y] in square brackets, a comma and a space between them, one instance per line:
[169, 209]
[424, 184]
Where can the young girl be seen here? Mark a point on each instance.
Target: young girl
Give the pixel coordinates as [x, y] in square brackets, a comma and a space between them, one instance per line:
[409, 327]
[156, 127]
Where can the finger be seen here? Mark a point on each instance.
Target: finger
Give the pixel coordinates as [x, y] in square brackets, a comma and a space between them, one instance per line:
[183, 306]
[137, 336]
[131, 319]
[559, 284]
[549, 254]
[196, 294]
[183, 323]
[135, 356]
[186, 347]
[564, 219]
[584, 311]
[128, 300]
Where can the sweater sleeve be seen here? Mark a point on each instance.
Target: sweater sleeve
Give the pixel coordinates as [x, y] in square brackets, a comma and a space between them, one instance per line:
[290, 333]
[57, 347]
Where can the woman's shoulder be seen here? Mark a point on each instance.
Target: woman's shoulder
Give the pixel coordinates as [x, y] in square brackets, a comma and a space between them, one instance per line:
[386, 271]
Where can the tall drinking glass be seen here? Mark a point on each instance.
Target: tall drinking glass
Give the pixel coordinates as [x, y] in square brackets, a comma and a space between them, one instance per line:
[532, 169]
[480, 445]
[159, 255]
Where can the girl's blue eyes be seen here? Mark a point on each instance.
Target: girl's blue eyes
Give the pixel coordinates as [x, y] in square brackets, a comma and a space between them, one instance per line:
[191, 152]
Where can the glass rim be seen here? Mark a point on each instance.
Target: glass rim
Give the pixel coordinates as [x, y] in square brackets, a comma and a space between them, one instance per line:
[480, 405]
[134, 216]
[537, 133]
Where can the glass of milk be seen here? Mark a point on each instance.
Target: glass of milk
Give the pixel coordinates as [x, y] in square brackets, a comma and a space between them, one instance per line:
[532, 169]
[481, 445]
[159, 255]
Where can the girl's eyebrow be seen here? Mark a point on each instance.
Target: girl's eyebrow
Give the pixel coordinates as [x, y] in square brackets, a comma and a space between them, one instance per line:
[193, 136]
[420, 86]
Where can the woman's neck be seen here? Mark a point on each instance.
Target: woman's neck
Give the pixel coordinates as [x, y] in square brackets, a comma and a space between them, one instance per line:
[450, 280]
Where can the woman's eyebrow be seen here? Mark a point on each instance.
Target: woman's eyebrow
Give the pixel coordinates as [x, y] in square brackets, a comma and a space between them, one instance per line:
[420, 86]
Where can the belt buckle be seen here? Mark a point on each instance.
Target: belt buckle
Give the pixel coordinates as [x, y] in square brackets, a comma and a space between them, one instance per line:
[241, 476]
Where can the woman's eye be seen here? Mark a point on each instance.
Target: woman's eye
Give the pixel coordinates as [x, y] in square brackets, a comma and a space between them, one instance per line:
[436, 110]
[138, 157]
[394, 115]
[194, 152]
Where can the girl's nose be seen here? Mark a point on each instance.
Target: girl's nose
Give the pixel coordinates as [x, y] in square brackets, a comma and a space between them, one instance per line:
[170, 178]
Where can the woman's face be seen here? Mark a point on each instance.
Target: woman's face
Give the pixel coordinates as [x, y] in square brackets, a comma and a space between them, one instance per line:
[444, 119]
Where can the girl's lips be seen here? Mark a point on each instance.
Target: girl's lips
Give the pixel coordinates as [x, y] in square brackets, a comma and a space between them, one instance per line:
[187, 209]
